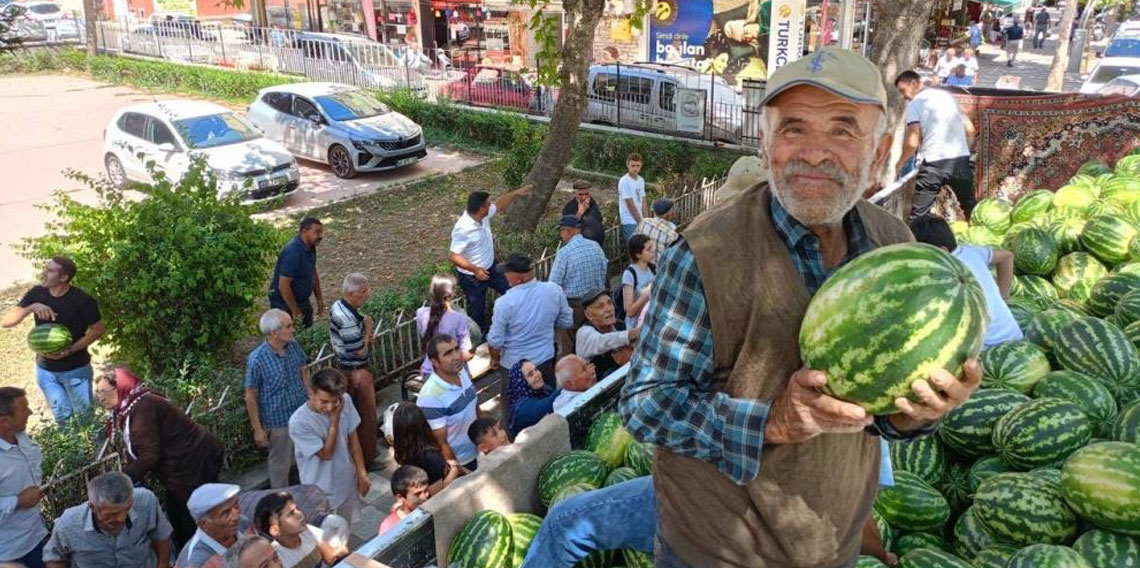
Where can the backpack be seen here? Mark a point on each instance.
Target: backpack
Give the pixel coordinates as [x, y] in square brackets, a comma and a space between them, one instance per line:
[619, 299]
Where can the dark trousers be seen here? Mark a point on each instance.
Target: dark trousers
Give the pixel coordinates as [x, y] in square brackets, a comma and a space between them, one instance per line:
[957, 173]
[34, 558]
[306, 309]
[1039, 37]
[476, 292]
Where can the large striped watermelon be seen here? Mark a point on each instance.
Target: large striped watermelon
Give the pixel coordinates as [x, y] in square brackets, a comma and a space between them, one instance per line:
[931, 558]
[1074, 307]
[886, 532]
[916, 540]
[1103, 549]
[597, 559]
[1105, 207]
[1122, 190]
[869, 562]
[912, 503]
[1102, 351]
[955, 487]
[1129, 164]
[1066, 231]
[1132, 332]
[484, 542]
[637, 559]
[1073, 200]
[1093, 398]
[923, 456]
[1132, 213]
[1014, 365]
[571, 490]
[1024, 509]
[1047, 556]
[1034, 251]
[1128, 308]
[523, 528]
[620, 475]
[1109, 290]
[968, 429]
[1031, 285]
[575, 466]
[993, 214]
[1130, 267]
[1090, 168]
[1022, 312]
[1043, 432]
[1107, 238]
[986, 468]
[49, 338]
[639, 457]
[1101, 482]
[1076, 267]
[996, 556]
[1043, 326]
[608, 438]
[937, 314]
[1048, 473]
[1126, 426]
[970, 537]
[981, 236]
[1031, 206]
[1080, 292]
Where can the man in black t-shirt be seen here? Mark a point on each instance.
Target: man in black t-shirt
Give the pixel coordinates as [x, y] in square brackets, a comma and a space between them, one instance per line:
[583, 206]
[64, 377]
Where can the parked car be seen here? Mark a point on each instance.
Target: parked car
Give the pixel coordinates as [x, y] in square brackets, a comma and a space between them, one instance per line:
[171, 133]
[1127, 45]
[493, 87]
[1127, 85]
[17, 26]
[1108, 69]
[346, 58]
[643, 96]
[340, 125]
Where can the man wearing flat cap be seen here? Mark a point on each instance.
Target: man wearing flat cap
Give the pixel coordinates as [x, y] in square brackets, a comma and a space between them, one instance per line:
[754, 466]
[214, 507]
[579, 266]
[585, 208]
[660, 228]
[522, 326]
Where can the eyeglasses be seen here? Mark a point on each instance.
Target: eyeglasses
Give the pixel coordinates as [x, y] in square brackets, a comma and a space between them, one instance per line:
[105, 390]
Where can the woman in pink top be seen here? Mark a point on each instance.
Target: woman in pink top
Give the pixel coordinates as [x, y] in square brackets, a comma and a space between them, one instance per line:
[440, 318]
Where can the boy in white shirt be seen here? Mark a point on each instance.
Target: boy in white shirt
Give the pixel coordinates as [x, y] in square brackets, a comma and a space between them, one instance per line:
[298, 544]
[631, 197]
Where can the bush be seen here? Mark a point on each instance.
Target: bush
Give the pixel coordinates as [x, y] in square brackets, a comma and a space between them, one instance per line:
[42, 59]
[221, 84]
[176, 273]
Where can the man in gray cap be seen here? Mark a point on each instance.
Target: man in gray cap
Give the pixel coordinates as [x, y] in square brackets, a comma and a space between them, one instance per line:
[214, 507]
[579, 266]
[660, 227]
[522, 326]
[754, 466]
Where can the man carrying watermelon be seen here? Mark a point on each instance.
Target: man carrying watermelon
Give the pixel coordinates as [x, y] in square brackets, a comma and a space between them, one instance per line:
[754, 465]
[67, 322]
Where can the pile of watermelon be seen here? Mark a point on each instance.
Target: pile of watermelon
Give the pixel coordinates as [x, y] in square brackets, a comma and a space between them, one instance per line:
[1041, 467]
[493, 540]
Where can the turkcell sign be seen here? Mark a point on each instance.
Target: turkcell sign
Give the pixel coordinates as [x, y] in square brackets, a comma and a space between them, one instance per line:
[786, 33]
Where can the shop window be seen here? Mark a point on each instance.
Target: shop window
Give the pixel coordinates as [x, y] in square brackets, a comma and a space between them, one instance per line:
[665, 99]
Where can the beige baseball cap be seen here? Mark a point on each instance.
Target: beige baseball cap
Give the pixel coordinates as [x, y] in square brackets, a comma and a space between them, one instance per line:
[842, 72]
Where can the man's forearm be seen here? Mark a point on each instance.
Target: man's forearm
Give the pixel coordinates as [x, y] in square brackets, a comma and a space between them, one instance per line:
[162, 552]
[15, 316]
[329, 449]
[290, 299]
[357, 453]
[317, 287]
[251, 408]
[462, 262]
[93, 333]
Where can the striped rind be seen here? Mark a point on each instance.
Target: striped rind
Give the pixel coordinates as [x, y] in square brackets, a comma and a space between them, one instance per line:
[915, 540]
[1067, 233]
[1094, 399]
[620, 475]
[968, 429]
[1100, 350]
[1047, 556]
[1105, 207]
[1034, 251]
[608, 438]
[639, 457]
[869, 562]
[1048, 473]
[970, 536]
[1107, 238]
[1043, 327]
[572, 467]
[1109, 290]
[1128, 308]
[923, 456]
[929, 314]
[912, 503]
[886, 532]
[1126, 426]
[523, 528]
[996, 556]
[986, 468]
[1031, 206]
[1022, 313]
[955, 487]
[597, 559]
[1024, 509]
[1132, 332]
[993, 214]
[571, 490]
[49, 338]
[931, 558]
[1077, 267]
[1043, 432]
[1101, 482]
[1104, 549]
[1014, 365]
[1073, 199]
[1122, 190]
[483, 542]
[637, 559]
[1033, 285]
[982, 236]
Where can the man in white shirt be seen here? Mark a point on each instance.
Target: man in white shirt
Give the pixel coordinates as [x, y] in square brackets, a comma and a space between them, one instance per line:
[472, 250]
[946, 64]
[970, 60]
[298, 544]
[22, 531]
[575, 376]
[936, 124]
[449, 402]
[631, 197]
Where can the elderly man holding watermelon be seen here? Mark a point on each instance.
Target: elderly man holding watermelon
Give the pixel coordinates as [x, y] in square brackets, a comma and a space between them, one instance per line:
[768, 435]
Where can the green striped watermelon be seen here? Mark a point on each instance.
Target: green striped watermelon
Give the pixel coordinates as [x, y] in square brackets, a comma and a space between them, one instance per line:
[639, 457]
[1034, 251]
[1102, 351]
[1109, 290]
[1032, 205]
[49, 338]
[637, 559]
[1107, 237]
[1014, 365]
[1093, 398]
[1074, 307]
[916, 540]
[1105, 207]
[1128, 308]
[1080, 292]
[968, 429]
[1034, 302]
[1122, 190]
[1024, 509]
[1126, 426]
[1132, 213]
[1088, 169]
[886, 532]
[955, 487]
[938, 320]
[970, 537]
[620, 475]
[1022, 312]
[986, 468]
[1129, 165]
[1073, 200]
[1043, 326]
[1134, 249]
[1101, 483]
[1030, 285]
[608, 438]
[1129, 267]
[571, 490]
[981, 236]
[523, 528]
[1103, 549]
[912, 503]
[484, 542]
[996, 556]
[1043, 432]
[597, 559]
[993, 214]
[931, 558]
[1066, 232]
[869, 562]
[1048, 473]
[1076, 267]
[923, 456]
[575, 466]
[1132, 332]
[1047, 556]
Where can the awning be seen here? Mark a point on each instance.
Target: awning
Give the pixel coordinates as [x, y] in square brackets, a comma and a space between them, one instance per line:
[1005, 4]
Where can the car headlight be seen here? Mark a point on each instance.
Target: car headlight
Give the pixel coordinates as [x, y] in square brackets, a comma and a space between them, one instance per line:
[359, 144]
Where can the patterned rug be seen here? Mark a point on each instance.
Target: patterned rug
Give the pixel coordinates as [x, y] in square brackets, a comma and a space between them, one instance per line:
[1040, 141]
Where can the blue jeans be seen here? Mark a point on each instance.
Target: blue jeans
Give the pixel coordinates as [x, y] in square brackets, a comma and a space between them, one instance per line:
[612, 518]
[476, 292]
[627, 233]
[67, 392]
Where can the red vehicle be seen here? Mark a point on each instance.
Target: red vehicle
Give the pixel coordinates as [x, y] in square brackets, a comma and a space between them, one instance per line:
[493, 87]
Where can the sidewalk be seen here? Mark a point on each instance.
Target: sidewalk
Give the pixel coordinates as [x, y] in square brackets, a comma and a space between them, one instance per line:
[1031, 66]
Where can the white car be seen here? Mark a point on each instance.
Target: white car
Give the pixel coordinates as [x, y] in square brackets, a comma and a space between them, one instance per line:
[1125, 85]
[1108, 69]
[170, 133]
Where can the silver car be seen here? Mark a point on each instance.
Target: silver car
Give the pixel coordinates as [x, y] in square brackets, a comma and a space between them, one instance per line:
[342, 126]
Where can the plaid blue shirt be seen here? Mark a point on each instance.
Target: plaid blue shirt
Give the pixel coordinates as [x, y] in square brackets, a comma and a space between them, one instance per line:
[277, 379]
[579, 267]
[668, 398]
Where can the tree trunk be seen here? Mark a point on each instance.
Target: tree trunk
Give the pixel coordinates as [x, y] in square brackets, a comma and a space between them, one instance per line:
[1056, 80]
[582, 17]
[899, 26]
[90, 19]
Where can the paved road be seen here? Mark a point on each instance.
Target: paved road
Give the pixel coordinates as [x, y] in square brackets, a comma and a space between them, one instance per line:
[53, 123]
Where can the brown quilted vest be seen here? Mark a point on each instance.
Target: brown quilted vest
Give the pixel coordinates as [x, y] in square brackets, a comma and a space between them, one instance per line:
[808, 506]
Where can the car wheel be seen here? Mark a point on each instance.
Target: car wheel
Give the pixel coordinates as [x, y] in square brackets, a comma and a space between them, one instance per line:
[341, 162]
[116, 172]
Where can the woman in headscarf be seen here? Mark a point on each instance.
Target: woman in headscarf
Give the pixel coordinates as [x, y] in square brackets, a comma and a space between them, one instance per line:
[159, 438]
[530, 397]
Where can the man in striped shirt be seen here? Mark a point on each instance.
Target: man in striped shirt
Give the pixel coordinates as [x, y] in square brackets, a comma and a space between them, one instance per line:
[350, 333]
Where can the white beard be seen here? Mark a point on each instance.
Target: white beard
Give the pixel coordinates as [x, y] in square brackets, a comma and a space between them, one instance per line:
[813, 213]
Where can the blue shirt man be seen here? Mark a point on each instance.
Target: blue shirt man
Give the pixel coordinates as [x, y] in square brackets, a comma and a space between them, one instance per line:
[580, 265]
[523, 323]
[295, 276]
[274, 389]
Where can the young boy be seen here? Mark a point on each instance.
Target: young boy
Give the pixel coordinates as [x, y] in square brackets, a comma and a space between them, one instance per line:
[487, 434]
[631, 197]
[298, 544]
[935, 231]
[410, 487]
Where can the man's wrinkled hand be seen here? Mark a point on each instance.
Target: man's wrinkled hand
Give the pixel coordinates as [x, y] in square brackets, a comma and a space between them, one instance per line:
[801, 412]
[937, 396]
